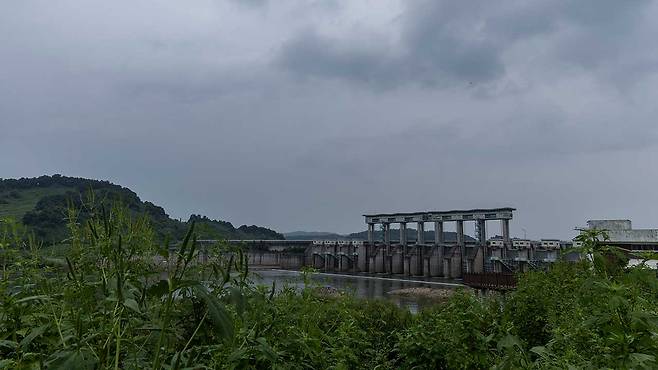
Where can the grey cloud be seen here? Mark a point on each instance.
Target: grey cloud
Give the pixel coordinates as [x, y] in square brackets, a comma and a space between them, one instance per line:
[443, 43]
[311, 54]
[432, 53]
[196, 109]
[251, 3]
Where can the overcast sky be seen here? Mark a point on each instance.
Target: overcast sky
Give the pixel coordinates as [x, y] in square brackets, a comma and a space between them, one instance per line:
[303, 115]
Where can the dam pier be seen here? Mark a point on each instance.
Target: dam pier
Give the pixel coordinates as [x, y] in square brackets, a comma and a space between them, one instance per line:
[388, 250]
[447, 255]
[428, 258]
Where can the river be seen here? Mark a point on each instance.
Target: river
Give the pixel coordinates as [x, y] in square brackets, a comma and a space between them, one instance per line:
[368, 287]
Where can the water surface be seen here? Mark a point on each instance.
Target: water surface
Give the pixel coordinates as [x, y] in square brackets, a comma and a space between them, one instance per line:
[368, 287]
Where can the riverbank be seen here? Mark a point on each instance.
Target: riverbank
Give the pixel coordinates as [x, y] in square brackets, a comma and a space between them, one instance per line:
[429, 281]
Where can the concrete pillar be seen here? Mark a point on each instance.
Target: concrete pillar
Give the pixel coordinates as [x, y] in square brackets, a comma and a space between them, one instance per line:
[505, 230]
[359, 258]
[420, 258]
[398, 263]
[413, 264]
[441, 258]
[438, 232]
[344, 258]
[460, 232]
[504, 224]
[461, 245]
[483, 254]
[387, 234]
[421, 232]
[456, 267]
[371, 234]
[436, 259]
[386, 253]
[372, 261]
[478, 262]
[372, 257]
[403, 233]
[381, 260]
[482, 232]
[362, 258]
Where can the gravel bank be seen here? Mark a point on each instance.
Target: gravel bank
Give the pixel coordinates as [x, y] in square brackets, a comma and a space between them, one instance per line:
[423, 292]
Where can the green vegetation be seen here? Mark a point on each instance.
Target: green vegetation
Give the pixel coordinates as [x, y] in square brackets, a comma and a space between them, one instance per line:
[16, 203]
[121, 301]
[41, 205]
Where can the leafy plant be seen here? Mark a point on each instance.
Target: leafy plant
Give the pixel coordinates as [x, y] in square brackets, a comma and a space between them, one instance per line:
[117, 299]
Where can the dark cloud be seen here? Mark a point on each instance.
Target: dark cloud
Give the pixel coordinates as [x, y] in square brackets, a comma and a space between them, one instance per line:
[433, 51]
[305, 114]
[311, 54]
[443, 43]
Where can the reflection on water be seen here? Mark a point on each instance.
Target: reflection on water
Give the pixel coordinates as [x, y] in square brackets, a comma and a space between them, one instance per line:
[360, 286]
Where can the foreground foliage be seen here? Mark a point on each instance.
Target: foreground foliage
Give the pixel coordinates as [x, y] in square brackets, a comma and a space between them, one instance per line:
[120, 301]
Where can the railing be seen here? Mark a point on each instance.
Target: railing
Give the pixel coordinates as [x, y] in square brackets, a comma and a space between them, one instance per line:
[489, 280]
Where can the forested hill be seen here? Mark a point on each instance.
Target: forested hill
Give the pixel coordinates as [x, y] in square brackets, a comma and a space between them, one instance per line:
[41, 205]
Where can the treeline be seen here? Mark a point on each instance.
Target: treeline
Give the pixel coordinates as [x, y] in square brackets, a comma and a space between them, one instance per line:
[49, 217]
[217, 229]
[75, 183]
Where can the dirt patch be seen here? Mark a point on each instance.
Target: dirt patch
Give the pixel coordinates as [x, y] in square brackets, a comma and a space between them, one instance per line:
[327, 291]
[423, 292]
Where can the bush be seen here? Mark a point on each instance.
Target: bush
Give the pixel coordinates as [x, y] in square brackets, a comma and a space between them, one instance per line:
[108, 304]
[459, 334]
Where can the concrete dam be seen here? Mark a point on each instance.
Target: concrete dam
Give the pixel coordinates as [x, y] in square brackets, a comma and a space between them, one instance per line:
[428, 258]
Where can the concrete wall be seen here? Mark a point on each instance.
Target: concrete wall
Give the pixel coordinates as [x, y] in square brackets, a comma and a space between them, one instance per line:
[609, 224]
[622, 231]
[637, 235]
[455, 267]
[546, 255]
[277, 259]
[398, 263]
[478, 261]
[263, 259]
[291, 261]
[362, 258]
[436, 262]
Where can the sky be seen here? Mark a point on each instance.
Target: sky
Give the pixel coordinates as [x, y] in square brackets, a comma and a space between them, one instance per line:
[304, 115]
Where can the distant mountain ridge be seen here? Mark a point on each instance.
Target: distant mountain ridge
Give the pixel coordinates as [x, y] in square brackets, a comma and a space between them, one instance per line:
[313, 235]
[41, 204]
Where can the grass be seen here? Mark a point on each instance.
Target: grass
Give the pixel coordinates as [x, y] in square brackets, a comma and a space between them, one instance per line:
[108, 305]
[28, 198]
